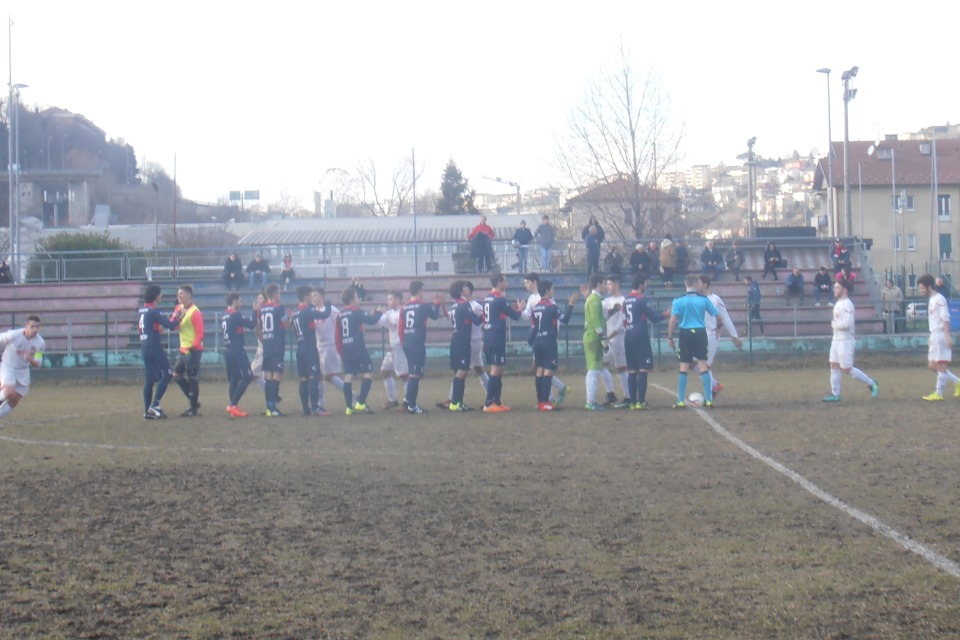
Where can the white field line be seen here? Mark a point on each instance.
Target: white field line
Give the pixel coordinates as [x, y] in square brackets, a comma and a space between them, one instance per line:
[939, 561]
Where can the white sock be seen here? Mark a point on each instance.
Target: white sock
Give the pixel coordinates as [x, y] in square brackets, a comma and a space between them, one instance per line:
[3, 395]
[337, 381]
[607, 379]
[592, 376]
[5, 408]
[261, 382]
[951, 377]
[391, 386]
[484, 380]
[941, 382]
[625, 384]
[856, 374]
[557, 382]
[713, 379]
[450, 395]
[835, 382]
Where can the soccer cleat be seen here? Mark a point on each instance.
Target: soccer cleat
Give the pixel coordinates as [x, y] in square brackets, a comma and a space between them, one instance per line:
[561, 396]
[933, 397]
[239, 413]
[463, 408]
[875, 389]
[446, 404]
[453, 406]
[495, 408]
[416, 410]
[390, 404]
[611, 398]
[831, 398]
[717, 388]
[679, 405]
[708, 404]
[275, 413]
[956, 390]
[623, 404]
[546, 406]
[593, 406]
[349, 411]
[148, 416]
[362, 408]
[157, 413]
[639, 406]
[191, 412]
[320, 411]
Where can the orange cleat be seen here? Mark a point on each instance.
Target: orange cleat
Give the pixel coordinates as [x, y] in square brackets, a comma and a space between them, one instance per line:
[496, 408]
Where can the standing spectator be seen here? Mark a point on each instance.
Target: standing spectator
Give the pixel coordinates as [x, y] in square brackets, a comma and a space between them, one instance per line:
[823, 286]
[772, 260]
[592, 240]
[613, 261]
[668, 260]
[640, 261]
[521, 240]
[794, 286]
[735, 260]
[711, 260]
[653, 252]
[545, 235]
[683, 256]
[232, 273]
[258, 270]
[593, 223]
[891, 300]
[6, 276]
[941, 286]
[481, 245]
[841, 255]
[287, 274]
[753, 304]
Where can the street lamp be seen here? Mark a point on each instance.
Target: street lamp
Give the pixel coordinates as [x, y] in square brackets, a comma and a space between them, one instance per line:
[831, 222]
[848, 95]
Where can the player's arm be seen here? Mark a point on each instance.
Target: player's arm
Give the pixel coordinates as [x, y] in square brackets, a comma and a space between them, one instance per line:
[512, 311]
[433, 311]
[671, 327]
[567, 313]
[724, 316]
[197, 320]
[162, 319]
[5, 339]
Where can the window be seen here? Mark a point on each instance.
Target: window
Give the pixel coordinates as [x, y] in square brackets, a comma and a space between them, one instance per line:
[896, 242]
[911, 242]
[946, 247]
[943, 207]
[904, 199]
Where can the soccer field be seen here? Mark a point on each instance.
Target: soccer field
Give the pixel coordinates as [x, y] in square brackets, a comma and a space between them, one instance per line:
[775, 515]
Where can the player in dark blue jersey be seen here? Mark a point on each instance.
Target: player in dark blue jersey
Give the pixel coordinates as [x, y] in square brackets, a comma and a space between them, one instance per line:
[353, 350]
[156, 365]
[464, 320]
[304, 322]
[496, 310]
[637, 314]
[234, 326]
[273, 319]
[412, 324]
[545, 319]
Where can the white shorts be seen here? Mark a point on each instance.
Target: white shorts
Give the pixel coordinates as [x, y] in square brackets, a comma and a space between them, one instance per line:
[19, 379]
[394, 359]
[841, 352]
[938, 350]
[476, 353]
[329, 360]
[617, 355]
[712, 343]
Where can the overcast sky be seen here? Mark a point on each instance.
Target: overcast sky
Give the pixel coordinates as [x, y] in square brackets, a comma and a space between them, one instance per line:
[269, 96]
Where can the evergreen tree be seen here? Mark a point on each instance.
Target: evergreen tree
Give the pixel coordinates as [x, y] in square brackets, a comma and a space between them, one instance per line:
[456, 196]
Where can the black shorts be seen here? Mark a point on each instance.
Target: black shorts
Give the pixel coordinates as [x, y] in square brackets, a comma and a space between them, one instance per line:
[416, 359]
[359, 365]
[156, 366]
[495, 355]
[308, 360]
[639, 353]
[237, 363]
[188, 364]
[460, 356]
[545, 354]
[693, 344]
[272, 362]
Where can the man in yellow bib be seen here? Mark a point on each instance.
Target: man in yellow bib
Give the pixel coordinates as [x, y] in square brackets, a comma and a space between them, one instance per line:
[186, 372]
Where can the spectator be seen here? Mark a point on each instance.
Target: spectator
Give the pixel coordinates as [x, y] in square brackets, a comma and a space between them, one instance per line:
[772, 260]
[288, 274]
[841, 256]
[653, 251]
[6, 276]
[521, 240]
[592, 242]
[794, 286]
[361, 291]
[593, 223]
[735, 260]
[711, 260]
[753, 305]
[683, 256]
[545, 235]
[941, 287]
[640, 260]
[823, 286]
[613, 262]
[846, 274]
[232, 273]
[258, 270]
[481, 245]
[668, 260]
[891, 304]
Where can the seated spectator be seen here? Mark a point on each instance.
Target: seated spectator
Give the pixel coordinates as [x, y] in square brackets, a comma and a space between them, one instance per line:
[772, 258]
[683, 256]
[823, 286]
[846, 274]
[735, 259]
[613, 261]
[640, 260]
[711, 260]
[6, 276]
[258, 270]
[794, 286]
[287, 274]
[841, 255]
[232, 273]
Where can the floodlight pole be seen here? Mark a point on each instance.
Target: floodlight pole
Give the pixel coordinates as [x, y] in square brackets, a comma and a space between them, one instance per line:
[848, 95]
[831, 221]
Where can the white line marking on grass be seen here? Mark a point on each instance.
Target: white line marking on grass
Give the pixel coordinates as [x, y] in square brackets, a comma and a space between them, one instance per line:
[931, 556]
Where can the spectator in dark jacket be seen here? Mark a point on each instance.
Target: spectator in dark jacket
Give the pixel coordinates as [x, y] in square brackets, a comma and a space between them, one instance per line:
[6, 276]
[258, 270]
[521, 240]
[593, 223]
[771, 261]
[481, 245]
[711, 260]
[794, 286]
[735, 260]
[592, 242]
[823, 286]
[683, 256]
[613, 261]
[639, 260]
[545, 235]
[232, 273]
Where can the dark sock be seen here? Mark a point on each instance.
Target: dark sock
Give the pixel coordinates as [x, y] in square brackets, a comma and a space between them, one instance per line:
[459, 386]
[313, 391]
[632, 386]
[642, 386]
[364, 390]
[413, 389]
[304, 396]
[348, 394]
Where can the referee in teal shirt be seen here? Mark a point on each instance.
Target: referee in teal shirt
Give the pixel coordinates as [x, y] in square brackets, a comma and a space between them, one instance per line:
[687, 315]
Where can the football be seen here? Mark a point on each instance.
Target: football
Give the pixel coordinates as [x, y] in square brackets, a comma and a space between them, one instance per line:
[695, 400]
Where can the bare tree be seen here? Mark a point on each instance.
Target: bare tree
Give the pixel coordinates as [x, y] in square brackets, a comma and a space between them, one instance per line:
[288, 204]
[387, 197]
[621, 138]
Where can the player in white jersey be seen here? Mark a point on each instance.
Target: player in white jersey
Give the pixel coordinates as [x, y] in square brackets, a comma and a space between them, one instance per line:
[843, 345]
[940, 346]
[713, 329]
[20, 349]
[476, 346]
[616, 354]
[327, 346]
[530, 282]
[256, 365]
[394, 359]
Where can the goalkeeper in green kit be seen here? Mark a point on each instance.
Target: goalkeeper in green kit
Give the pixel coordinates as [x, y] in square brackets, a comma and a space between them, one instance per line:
[594, 337]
